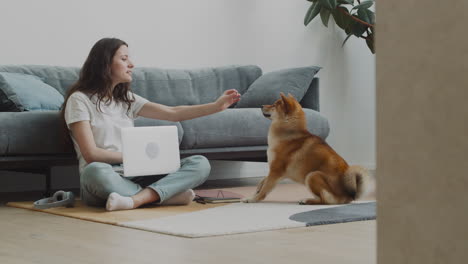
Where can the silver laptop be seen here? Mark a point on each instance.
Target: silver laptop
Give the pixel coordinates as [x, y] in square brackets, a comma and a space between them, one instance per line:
[149, 151]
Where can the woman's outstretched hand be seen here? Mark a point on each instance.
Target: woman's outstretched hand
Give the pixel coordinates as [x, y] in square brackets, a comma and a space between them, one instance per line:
[228, 98]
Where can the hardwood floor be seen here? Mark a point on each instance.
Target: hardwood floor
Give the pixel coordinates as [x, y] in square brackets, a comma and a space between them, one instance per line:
[35, 237]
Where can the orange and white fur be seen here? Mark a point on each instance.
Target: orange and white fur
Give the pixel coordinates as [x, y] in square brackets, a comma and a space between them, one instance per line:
[295, 153]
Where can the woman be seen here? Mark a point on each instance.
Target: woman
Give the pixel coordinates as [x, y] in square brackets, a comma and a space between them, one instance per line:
[98, 105]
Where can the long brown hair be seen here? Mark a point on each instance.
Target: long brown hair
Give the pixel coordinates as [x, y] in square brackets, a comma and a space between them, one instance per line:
[96, 78]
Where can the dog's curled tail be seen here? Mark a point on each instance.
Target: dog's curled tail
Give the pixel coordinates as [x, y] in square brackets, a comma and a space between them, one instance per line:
[356, 181]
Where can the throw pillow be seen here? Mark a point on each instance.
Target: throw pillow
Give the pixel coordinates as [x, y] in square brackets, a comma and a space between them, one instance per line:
[24, 92]
[266, 89]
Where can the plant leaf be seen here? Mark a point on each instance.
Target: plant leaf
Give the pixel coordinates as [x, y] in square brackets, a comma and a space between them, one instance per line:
[345, 2]
[325, 16]
[366, 15]
[313, 11]
[348, 30]
[329, 4]
[365, 4]
[341, 19]
[371, 14]
[370, 43]
[346, 39]
[357, 28]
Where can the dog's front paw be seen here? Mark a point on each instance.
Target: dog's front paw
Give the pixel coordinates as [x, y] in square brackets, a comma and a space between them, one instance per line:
[310, 201]
[248, 200]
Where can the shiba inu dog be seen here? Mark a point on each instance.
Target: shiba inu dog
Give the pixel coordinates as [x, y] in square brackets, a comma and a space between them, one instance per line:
[294, 153]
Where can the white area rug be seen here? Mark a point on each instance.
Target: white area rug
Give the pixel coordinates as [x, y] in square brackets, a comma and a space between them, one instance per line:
[225, 220]
[202, 220]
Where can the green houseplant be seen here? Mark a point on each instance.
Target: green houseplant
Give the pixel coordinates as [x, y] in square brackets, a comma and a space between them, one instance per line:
[354, 18]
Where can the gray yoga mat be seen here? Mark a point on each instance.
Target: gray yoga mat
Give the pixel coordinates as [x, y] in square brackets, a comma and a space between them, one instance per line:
[340, 214]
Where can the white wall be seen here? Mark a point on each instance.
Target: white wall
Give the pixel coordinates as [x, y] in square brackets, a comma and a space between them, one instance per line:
[190, 34]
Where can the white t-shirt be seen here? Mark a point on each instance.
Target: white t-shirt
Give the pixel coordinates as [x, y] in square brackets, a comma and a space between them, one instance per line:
[105, 125]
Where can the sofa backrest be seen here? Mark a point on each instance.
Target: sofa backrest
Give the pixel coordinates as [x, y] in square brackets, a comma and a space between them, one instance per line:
[166, 86]
[194, 86]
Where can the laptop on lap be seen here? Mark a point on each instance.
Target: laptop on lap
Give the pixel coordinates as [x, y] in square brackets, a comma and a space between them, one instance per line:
[149, 151]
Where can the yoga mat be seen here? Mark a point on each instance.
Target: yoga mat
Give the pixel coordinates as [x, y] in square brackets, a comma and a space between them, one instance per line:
[342, 214]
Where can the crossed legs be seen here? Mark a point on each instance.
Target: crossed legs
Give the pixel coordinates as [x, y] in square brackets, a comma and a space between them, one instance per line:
[99, 181]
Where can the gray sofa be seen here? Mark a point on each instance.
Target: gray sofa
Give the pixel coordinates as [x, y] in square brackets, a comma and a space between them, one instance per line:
[31, 141]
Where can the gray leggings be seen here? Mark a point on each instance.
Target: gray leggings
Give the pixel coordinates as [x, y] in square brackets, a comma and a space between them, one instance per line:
[98, 180]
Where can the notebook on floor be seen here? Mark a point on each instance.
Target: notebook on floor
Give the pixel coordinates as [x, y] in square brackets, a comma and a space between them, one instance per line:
[217, 196]
[149, 151]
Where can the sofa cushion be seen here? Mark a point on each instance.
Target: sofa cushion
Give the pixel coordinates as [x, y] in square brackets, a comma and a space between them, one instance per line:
[59, 77]
[23, 92]
[266, 89]
[35, 132]
[142, 121]
[23, 133]
[189, 87]
[239, 127]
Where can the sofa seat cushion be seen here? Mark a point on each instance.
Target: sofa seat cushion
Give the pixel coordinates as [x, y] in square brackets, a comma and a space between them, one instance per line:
[239, 127]
[38, 132]
[22, 133]
[230, 128]
[142, 121]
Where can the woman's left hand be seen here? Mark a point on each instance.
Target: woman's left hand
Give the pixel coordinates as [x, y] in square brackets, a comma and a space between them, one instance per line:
[228, 98]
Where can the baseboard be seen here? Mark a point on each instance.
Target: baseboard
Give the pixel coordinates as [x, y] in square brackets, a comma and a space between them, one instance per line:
[370, 166]
[226, 169]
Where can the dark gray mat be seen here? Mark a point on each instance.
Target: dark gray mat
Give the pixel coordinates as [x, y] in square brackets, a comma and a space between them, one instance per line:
[340, 214]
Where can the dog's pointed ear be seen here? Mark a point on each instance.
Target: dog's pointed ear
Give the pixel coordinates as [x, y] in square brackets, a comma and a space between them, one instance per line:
[285, 103]
[291, 97]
